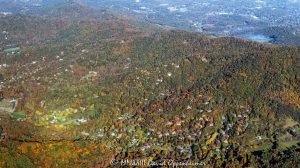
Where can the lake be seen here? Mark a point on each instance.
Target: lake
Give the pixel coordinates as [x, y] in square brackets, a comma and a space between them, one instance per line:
[259, 38]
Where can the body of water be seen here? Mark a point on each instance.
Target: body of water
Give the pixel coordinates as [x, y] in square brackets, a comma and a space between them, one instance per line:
[259, 38]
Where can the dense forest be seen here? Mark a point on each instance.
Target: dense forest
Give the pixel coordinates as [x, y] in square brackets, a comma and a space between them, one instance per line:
[87, 91]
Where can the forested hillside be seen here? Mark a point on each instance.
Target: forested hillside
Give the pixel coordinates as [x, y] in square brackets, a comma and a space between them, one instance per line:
[87, 91]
